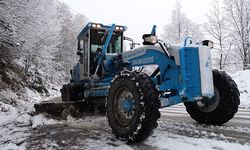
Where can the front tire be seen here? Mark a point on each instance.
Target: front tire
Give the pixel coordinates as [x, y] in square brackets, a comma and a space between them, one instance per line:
[222, 106]
[132, 106]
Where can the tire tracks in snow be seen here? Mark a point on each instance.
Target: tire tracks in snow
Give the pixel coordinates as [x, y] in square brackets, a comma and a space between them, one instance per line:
[176, 120]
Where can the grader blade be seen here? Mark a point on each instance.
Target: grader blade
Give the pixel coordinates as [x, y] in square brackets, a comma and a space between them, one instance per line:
[76, 109]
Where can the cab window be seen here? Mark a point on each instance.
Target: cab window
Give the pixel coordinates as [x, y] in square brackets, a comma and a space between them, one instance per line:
[99, 36]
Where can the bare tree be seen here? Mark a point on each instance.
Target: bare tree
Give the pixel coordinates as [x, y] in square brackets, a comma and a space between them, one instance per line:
[238, 14]
[180, 27]
[65, 56]
[216, 27]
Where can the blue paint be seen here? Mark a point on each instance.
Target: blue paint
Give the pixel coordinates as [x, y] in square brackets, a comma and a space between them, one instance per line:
[96, 93]
[105, 46]
[181, 81]
[153, 32]
[102, 56]
[184, 78]
[128, 105]
[190, 72]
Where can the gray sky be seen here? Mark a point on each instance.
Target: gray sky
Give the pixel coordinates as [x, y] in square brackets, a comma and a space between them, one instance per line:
[138, 15]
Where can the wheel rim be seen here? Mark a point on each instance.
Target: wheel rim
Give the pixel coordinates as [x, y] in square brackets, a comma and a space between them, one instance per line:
[210, 104]
[124, 106]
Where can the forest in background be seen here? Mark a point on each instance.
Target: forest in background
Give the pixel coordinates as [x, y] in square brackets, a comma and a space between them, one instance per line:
[227, 25]
[37, 43]
[38, 39]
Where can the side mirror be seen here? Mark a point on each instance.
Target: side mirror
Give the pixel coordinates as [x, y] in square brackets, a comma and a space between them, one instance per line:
[132, 44]
[80, 45]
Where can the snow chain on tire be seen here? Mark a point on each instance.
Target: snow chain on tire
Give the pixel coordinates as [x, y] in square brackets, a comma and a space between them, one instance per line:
[146, 96]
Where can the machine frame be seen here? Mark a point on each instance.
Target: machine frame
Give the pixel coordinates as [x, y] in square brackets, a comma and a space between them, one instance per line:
[179, 76]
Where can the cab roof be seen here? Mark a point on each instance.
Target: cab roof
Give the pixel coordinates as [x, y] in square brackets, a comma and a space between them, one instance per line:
[92, 25]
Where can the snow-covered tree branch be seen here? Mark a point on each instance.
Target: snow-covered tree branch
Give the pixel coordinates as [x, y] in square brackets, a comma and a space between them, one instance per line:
[180, 27]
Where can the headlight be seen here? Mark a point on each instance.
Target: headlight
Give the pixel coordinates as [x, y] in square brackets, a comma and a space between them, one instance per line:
[94, 25]
[119, 28]
[98, 26]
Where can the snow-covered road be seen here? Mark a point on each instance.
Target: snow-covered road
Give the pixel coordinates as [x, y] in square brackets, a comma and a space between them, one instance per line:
[179, 122]
[176, 131]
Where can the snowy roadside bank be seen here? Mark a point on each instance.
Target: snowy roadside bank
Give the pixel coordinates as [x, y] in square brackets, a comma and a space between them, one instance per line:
[16, 120]
[16, 123]
[242, 79]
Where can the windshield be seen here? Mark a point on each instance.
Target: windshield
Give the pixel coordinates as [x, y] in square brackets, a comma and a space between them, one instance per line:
[99, 36]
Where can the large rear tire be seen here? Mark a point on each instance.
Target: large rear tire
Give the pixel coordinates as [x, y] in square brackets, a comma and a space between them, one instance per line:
[220, 108]
[132, 106]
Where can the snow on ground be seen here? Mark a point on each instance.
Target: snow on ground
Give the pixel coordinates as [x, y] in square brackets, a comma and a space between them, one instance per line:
[94, 133]
[16, 122]
[242, 78]
[16, 116]
[164, 140]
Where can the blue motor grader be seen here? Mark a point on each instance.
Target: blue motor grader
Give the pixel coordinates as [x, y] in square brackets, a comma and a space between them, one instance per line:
[112, 80]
